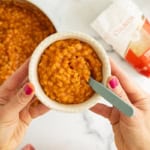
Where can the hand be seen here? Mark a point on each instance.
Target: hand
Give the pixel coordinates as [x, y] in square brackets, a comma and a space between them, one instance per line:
[130, 133]
[16, 108]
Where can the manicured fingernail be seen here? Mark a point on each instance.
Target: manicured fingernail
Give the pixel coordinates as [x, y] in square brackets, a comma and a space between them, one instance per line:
[113, 83]
[28, 147]
[28, 89]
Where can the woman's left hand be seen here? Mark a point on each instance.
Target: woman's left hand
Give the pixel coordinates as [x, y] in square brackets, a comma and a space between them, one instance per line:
[16, 108]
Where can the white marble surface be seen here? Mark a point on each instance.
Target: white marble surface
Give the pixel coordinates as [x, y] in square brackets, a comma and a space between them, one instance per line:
[62, 131]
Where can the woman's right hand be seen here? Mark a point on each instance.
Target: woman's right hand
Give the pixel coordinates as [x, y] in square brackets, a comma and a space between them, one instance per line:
[130, 133]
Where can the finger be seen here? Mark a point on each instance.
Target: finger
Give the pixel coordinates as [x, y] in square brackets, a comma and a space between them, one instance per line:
[115, 116]
[23, 82]
[102, 109]
[110, 113]
[3, 101]
[17, 78]
[38, 110]
[28, 147]
[114, 85]
[21, 99]
[36, 102]
[131, 88]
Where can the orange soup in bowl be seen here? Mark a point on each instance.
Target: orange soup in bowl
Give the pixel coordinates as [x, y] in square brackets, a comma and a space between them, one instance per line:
[65, 68]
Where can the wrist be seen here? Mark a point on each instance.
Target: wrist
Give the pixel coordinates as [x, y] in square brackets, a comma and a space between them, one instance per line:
[144, 144]
[142, 148]
[6, 147]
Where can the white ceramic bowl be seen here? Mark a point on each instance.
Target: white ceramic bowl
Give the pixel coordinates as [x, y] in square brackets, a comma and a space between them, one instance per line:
[33, 76]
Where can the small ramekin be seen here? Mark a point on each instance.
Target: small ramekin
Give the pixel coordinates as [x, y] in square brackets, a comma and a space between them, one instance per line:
[33, 74]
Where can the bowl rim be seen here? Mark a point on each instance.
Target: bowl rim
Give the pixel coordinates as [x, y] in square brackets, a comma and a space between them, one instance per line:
[33, 75]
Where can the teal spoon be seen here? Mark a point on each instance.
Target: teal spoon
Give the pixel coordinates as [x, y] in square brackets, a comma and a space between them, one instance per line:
[111, 97]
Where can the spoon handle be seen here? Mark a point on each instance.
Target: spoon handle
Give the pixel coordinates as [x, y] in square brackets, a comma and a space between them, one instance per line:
[111, 97]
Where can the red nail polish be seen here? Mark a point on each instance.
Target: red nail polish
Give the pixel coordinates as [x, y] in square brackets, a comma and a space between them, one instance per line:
[28, 89]
[113, 83]
[28, 147]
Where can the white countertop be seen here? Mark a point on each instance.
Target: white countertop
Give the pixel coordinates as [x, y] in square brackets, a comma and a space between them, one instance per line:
[86, 130]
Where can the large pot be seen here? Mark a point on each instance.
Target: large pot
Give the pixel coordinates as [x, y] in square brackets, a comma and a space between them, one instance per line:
[23, 25]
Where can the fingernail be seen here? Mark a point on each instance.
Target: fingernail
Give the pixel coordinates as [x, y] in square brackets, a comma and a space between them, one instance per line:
[113, 83]
[28, 89]
[28, 147]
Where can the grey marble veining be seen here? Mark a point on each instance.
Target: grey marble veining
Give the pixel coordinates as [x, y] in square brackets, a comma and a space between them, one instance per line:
[100, 131]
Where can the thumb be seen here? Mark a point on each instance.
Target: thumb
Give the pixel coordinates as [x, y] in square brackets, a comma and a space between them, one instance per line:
[115, 86]
[21, 99]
